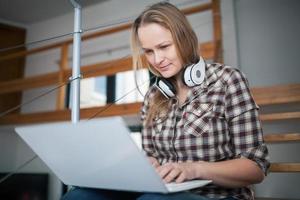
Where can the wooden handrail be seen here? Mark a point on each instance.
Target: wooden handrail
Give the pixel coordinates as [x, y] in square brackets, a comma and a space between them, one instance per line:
[122, 27]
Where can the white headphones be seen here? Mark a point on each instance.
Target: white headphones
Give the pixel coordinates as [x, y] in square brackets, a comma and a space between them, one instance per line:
[193, 75]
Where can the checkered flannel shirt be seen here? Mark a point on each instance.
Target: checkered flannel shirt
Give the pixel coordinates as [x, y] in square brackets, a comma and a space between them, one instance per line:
[218, 121]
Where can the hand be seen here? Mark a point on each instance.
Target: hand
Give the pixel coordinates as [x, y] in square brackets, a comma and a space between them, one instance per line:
[178, 172]
[154, 162]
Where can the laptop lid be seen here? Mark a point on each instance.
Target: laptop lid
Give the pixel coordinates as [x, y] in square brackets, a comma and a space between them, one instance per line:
[99, 153]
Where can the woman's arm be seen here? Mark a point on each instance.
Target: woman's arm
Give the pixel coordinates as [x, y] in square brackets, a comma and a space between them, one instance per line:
[232, 173]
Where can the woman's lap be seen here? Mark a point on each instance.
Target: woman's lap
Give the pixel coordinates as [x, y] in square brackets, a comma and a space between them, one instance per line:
[173, 196]
[99, 194]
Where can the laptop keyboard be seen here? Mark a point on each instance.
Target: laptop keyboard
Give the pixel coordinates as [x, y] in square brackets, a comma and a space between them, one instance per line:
[173, 187]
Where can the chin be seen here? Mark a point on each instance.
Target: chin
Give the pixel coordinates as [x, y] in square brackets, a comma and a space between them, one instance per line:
[167, 75]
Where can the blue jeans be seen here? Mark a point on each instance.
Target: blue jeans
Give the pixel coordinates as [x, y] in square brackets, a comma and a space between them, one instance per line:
[99, 194]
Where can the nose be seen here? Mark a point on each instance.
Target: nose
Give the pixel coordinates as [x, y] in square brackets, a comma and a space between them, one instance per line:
[158, 57]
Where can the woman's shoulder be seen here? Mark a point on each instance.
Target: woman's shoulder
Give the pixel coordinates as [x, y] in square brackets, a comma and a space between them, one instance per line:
[225, 73]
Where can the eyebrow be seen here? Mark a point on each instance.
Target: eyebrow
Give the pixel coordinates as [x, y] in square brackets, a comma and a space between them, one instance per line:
[158, 45]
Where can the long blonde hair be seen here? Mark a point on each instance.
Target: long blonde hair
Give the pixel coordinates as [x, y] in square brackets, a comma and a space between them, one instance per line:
[185, 40]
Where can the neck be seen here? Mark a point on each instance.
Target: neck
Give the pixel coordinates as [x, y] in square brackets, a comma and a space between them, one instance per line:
[179, 82]
[182, 89]
[178, 79]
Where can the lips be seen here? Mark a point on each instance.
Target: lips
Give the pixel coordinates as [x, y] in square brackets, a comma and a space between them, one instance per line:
[164, 68]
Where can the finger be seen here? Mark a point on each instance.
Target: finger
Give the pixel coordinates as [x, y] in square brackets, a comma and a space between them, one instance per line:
[163, 170]
[181, 178]
[172, 175]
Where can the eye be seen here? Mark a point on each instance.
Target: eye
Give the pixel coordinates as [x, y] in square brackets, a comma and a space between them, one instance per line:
[164, 46]
[148, 51]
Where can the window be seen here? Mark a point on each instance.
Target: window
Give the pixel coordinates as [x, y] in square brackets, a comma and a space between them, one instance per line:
[93, 92]
[126, 89]
[122, 88]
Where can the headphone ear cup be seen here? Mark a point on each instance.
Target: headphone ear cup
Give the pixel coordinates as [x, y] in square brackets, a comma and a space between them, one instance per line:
[194, 74]
[165, 87]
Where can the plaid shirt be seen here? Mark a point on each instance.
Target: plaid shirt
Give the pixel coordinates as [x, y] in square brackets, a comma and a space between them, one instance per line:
[218, 121]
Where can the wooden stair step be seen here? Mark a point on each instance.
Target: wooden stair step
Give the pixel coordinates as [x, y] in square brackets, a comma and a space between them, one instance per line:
[277, 94]
[280, 116]
[285, 167]
[282, 137]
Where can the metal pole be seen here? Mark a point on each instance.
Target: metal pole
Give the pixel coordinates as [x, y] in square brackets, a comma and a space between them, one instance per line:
[75, 84]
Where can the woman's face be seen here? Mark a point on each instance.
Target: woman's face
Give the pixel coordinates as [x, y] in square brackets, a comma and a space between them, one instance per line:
[159, 48]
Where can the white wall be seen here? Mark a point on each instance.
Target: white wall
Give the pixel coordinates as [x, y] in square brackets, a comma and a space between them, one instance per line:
[268, 37]
[268, 43]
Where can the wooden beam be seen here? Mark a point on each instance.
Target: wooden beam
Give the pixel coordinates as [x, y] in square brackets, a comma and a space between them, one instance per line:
[285, 167]
[207, 50]
[217, 28]
[65, 115]
[54, 78]
[107, 68]
[99, 69]
[31, 51]
[63, 66]
[216, 20]
[280, 116]
[282, 137]
[196, 9]
[29, 83]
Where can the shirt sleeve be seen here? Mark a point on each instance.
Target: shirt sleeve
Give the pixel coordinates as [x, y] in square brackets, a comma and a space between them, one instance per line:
[147, 143]
[244, 125]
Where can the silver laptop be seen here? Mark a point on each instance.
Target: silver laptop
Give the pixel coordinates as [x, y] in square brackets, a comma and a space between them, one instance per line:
[99, 153]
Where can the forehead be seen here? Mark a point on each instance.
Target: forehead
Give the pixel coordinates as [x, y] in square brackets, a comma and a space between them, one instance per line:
[153, 34]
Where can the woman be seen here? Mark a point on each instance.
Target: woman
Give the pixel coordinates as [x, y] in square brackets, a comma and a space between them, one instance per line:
[199, 120]
[209, 130]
